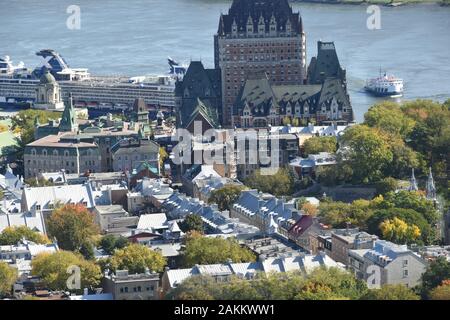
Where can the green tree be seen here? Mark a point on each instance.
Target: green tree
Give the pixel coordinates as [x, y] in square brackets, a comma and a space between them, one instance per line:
[331, 284]
[403, 158]
[72, 225]
[87, 250]
[24, 122]
[196, 288]
[391, 292]
[368, 151]
[431, 134]
[41, 182]
[339, 214]
[136, 258]
[286, 121]
[226, 196]
[441, 292]
[437, 272]
[110, 242]
[192, 222]
[398, 231]
[12, 235]
[386, 185]
[388, 116]
[8, 276]
[206, 250]
[315, 145]
[52, 269]
[279, 184]
[414, 201]
[334, 175]
[409, 216]
[319, 284]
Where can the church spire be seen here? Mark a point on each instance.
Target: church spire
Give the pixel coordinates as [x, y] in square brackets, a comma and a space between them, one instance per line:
[431, 189]
[413, 182]
[68, 117]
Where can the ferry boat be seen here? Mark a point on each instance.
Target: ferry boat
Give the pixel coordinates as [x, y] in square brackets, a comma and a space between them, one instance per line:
[19, 84]
[385, 85]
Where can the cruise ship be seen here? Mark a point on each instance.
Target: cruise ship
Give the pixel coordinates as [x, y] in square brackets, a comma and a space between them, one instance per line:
[18, 84]
[385, 85]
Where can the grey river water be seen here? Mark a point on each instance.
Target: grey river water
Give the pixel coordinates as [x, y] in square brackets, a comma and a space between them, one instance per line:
[134, 37]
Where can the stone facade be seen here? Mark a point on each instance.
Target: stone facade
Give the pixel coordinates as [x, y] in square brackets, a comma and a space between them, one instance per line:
[61, 152]
[48, 93]
[344, 240]
[258, 36]
[125, 286]
[263, 103]
[396, 264]
[65, 144]
[130, 154]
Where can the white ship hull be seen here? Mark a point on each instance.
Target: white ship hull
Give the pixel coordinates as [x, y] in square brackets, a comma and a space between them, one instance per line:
[385, 86]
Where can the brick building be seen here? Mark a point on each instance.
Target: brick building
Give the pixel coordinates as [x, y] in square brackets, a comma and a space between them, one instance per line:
[263, 35]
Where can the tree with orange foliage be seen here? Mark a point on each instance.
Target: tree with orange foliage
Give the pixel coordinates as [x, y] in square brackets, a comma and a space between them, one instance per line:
[72, 225]
[441, 292]
[309, 209]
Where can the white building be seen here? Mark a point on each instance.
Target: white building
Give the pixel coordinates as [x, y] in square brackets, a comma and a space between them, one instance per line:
[396, 263]
[223, 272]
[105, 216]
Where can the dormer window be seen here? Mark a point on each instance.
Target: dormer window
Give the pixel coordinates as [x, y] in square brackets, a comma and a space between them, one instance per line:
[234, 27]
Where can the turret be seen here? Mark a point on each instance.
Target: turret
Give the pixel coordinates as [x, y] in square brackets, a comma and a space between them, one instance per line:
[288, 26]
[234, 27]
[261, 25]
[431, 189]
[413, 182]
[68, 122]
[273, 25]
[249, 24]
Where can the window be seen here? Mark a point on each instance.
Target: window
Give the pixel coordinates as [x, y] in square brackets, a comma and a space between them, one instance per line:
[126, 289]
[405, 273]
[38, 207]
[405, 263]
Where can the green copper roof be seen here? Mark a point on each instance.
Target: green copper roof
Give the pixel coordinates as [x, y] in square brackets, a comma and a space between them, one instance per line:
[47, 77]
[68, 118]
[208, 112]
